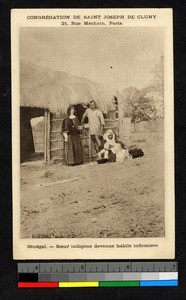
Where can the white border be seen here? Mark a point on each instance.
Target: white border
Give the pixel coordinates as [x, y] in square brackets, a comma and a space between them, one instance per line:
[166, 246]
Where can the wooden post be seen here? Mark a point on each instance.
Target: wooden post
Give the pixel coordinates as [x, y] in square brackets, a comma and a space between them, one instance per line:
[90, 145]
[126, 130]
[45, 137]
[120, 116]
[48, 136]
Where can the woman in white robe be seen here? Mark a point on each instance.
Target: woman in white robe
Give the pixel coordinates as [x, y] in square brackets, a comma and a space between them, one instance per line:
[116, 148]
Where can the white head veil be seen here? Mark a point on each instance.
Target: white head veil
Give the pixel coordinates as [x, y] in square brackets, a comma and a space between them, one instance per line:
[106, 134]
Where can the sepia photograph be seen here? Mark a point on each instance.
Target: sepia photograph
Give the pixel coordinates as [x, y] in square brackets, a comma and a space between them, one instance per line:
[92, 132]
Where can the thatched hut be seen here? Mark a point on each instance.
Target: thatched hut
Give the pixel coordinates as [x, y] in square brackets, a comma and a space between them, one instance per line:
[46, 92]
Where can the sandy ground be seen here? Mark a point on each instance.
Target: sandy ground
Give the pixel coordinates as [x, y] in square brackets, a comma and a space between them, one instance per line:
[109, 200]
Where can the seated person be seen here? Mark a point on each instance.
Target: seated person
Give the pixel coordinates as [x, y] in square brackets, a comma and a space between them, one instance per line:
[113, 151]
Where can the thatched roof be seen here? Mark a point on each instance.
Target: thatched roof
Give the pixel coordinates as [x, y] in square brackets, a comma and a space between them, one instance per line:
[56, 90]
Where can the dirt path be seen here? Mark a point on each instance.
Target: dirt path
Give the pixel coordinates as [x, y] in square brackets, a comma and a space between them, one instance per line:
[109, 200]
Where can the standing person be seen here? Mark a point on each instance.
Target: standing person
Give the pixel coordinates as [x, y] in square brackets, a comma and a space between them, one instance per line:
[96, 124]
[73, 152]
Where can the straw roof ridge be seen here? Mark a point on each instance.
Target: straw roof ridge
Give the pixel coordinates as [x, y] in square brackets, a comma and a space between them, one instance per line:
[56, 90]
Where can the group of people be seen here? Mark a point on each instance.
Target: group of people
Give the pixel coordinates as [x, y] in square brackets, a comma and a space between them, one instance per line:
[105, 145]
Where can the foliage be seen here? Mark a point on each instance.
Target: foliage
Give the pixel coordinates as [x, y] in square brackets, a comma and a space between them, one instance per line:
[144, 110]
[158, 83]
[147, 103]
[136, 106]
[158, 76]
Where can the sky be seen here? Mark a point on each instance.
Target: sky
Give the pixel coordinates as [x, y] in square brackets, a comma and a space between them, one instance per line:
[117, 57]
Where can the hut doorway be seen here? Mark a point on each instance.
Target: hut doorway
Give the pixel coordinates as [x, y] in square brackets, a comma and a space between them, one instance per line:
[27, 147]
[38, 132]
[80, 109]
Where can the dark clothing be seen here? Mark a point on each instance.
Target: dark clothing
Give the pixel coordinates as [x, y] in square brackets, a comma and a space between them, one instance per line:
[73, 152]
[111, 156]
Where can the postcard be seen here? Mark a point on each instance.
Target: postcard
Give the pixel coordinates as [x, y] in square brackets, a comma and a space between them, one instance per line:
[92, 134]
